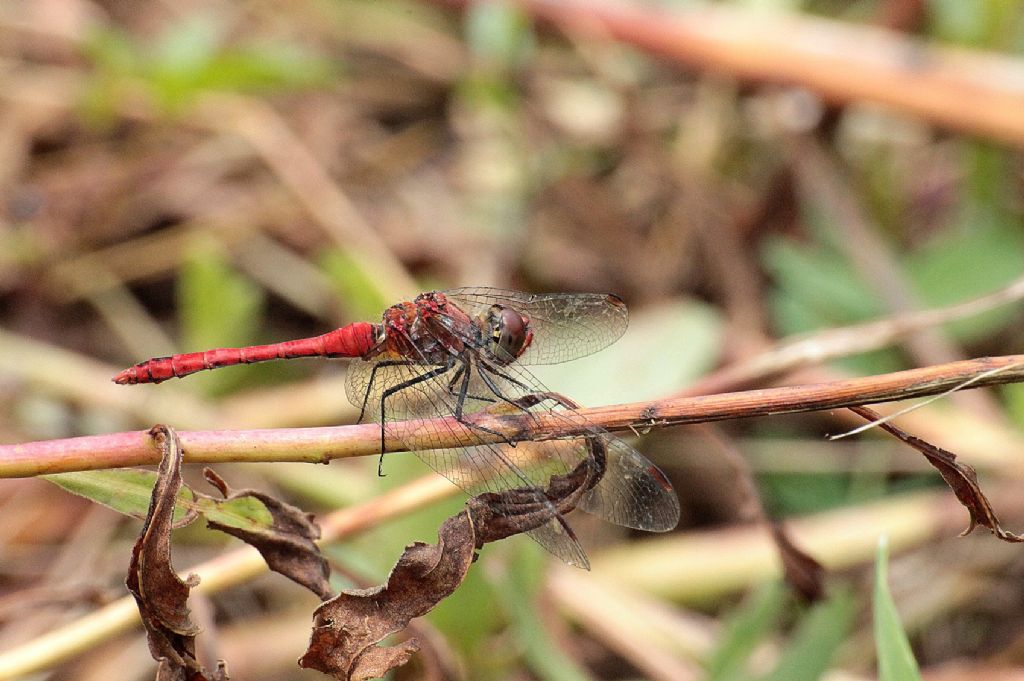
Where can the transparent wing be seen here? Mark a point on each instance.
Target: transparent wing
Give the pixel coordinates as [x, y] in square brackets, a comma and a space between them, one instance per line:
[414, 391]
[566, 326]
[414, 395]
[632, 492]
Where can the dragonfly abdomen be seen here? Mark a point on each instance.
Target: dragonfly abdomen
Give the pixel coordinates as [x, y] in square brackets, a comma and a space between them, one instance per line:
[353, 340]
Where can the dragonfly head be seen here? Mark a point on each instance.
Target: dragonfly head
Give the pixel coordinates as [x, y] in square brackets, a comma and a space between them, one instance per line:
[510, 333]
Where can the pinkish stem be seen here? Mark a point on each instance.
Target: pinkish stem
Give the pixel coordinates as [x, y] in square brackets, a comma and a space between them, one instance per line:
[320, 445]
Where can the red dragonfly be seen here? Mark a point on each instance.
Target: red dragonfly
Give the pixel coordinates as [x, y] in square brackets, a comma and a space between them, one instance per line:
[461, 353]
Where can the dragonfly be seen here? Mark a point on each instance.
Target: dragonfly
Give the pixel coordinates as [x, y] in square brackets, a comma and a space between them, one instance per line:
[453, 358]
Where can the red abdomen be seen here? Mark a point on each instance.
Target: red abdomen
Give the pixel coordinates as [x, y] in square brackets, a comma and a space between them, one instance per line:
[353, 340]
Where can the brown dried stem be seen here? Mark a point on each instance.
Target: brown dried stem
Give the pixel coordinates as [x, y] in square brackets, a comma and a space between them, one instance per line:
[323, 444]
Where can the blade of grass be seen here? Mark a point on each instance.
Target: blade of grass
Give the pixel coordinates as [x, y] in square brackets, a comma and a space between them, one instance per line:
[745, 628]
[820, 633]
[895, 658]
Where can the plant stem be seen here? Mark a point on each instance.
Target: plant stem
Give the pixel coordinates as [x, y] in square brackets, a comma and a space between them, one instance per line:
[320, 445]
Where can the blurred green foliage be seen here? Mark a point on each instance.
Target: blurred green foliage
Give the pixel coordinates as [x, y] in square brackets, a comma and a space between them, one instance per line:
[500, 35]
[814, 638]
[665, 348]
[817, 287]
[517, 592]
[993, 24]
[360, 296]
[189, 58]
[743, 630]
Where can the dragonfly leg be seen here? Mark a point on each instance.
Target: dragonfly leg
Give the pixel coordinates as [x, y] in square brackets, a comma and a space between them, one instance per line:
[373, 375]
[497, 372]
[465, 372]
[455, 393]
[523, 403]
[426, 376]
[533, 399]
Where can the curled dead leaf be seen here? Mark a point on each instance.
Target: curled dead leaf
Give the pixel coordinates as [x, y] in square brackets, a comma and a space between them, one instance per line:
[347, 628]
[960, 477]
[160, 594]
[285, 537]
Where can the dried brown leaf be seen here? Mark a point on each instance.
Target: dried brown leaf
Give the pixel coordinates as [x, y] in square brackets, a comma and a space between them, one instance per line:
[160, 594]
[168, 671]
[960, 477]
[347, 628]
[288, 543]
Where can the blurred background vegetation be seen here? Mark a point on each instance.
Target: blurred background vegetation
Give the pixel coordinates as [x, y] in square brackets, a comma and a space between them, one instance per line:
[181, 176]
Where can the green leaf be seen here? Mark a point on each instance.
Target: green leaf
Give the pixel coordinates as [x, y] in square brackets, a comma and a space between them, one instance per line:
[218, 308]
[816, 287]
[993, 24]
[267, 68]
[246, 513]
[128, 491]
[787, 493]
[745, 628]
[969, 261]
[115, 59]
[180, 54]
[817, 637]
[895, 659]
[189, 44]
[125, 490]
[1013, 396]
[189, 58]
[683, 336]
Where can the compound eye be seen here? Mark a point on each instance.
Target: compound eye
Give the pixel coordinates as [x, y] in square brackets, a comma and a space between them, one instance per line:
[512, 333]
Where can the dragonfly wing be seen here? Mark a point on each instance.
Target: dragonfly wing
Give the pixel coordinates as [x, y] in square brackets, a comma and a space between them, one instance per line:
[633, 492]
[412, 395]
[557, 540]
[358, 374]
[566, 326]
